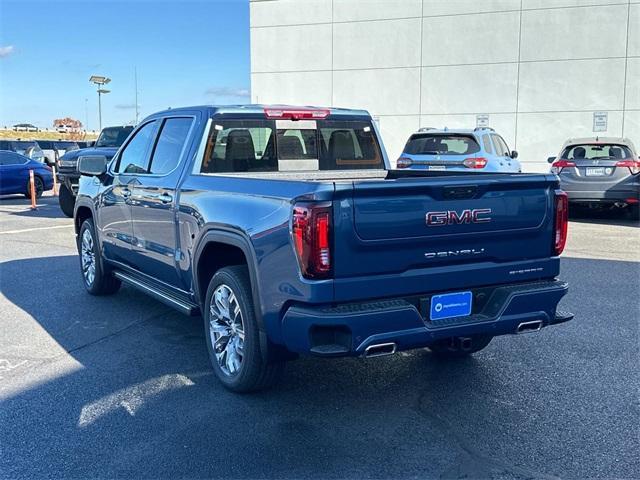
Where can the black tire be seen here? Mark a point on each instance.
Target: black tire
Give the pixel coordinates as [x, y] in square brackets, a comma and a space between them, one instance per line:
[253, 373]
[103, 282]
[633, 212]
[459, 347]
[66, 200]
[39, 187]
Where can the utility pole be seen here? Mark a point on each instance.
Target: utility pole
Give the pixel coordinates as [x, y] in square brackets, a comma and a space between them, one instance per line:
[100, 81]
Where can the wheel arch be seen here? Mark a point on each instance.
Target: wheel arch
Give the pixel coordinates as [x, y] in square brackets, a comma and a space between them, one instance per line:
[82, 213]
[233, 249]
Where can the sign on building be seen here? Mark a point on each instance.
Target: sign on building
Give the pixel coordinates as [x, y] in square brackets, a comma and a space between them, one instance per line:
[600, 120]
[482, 120]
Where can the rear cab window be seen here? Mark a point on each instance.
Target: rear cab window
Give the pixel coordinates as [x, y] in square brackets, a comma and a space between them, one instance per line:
[441, 144]
[284, 145]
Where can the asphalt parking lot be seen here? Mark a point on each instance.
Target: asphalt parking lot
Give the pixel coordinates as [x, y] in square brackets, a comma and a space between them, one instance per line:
[120, 386]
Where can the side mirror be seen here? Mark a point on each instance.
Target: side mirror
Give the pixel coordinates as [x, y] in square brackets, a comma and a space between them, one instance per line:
[92, 165]
[551, 159]
[514, 154]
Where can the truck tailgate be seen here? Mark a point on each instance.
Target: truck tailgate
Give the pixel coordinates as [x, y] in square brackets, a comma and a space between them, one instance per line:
[395, 226]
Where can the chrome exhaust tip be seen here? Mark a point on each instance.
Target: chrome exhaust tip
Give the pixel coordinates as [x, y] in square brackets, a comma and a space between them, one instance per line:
[529, 327]
[380, 350]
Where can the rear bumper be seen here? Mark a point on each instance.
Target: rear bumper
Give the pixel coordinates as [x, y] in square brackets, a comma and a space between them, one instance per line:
[604, 196]
[348, 329]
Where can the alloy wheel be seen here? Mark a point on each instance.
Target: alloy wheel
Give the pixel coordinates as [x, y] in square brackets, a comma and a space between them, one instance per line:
[226, 329]
[88, 258]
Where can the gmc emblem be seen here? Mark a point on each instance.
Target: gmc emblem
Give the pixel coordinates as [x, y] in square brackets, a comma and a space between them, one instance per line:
[451, 217]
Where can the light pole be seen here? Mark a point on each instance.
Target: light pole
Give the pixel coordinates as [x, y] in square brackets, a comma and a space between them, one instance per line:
[100, 81]
[86, 114]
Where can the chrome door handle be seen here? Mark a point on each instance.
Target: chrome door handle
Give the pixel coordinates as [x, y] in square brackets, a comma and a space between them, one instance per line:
[165, 198]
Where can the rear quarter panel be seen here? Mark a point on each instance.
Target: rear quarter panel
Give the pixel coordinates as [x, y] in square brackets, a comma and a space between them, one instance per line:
[259, 212]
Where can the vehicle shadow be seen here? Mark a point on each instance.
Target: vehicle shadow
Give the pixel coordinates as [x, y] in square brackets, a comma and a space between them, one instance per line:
[47, 206]
[603, 217]
[121, 386]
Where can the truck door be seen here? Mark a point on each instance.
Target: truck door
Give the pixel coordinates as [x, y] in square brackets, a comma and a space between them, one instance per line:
[153, 203]
[115, 212]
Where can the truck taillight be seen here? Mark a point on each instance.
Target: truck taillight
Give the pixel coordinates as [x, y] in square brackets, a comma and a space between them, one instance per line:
[404, 162]
[475, 163]
[311, 232]
[561, 221]
[634, 166]
[558, 165]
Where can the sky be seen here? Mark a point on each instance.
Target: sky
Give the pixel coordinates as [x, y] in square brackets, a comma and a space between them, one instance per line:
[188, 52]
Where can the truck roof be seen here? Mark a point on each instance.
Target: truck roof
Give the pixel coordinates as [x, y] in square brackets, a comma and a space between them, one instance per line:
[254, 108]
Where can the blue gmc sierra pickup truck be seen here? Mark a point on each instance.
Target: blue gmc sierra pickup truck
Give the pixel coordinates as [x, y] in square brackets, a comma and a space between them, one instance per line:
[287, 230]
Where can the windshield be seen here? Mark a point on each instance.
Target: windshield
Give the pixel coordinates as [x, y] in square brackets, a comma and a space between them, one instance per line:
[287, 145]
[602, 151]
[113, 136]
[441, 144]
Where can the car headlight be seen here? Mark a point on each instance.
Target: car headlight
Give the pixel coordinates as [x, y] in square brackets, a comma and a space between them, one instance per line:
[67, 163]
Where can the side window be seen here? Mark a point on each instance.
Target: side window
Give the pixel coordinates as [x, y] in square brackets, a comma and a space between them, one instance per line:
[500, 145]
[240, 146]
[171, 140]
[505, 147]
[10, 158]
[486, 141]
[133, 158]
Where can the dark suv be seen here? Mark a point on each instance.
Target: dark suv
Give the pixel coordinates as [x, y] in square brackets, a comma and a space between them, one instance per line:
[106, 145]
[599, 172]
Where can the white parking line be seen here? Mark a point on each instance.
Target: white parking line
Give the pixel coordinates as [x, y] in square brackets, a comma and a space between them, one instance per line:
[34, 229]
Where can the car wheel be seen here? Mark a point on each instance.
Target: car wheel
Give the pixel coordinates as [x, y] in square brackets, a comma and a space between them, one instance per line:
[458, 347]
[66, 201]
[39, 187]
[95, 279]
[232, 336]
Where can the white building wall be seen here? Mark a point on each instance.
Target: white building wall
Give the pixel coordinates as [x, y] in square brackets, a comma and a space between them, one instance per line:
[538, 68]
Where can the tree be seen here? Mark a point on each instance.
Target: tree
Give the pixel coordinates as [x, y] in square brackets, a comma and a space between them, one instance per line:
[75, 125]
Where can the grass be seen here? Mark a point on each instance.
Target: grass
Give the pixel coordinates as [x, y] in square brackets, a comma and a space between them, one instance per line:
[7, 134]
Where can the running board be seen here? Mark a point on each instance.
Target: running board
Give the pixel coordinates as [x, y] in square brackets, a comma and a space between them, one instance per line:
[167, 298]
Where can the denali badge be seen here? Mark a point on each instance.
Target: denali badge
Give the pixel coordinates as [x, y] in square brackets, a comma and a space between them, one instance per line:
[451, 217]
[454, 253]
